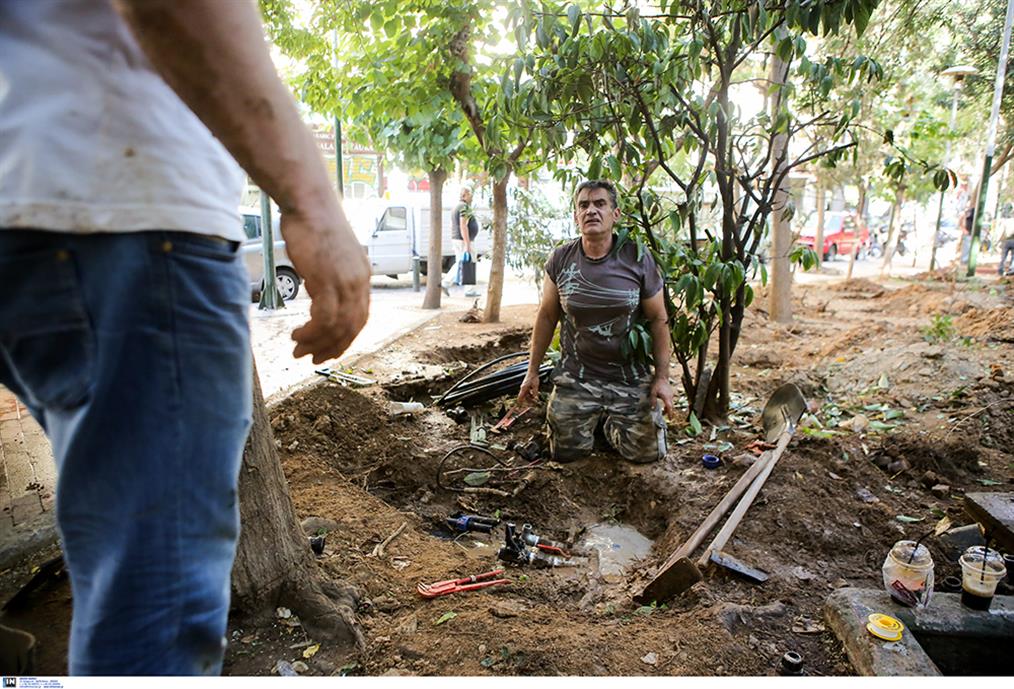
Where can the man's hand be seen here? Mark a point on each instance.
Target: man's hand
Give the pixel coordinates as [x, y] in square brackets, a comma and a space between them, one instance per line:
[661, 390]
[529, 390]
[328, 256]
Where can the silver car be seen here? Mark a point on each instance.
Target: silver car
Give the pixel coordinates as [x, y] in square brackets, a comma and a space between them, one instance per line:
[252, 251]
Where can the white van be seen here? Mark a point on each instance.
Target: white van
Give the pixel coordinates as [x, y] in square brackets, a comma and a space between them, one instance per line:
[252, 253]
[401, 231]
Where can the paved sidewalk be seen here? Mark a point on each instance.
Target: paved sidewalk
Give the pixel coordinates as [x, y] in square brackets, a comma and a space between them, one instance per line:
[27, 482]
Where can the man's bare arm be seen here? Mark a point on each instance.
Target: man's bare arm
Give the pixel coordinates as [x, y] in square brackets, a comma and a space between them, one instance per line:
[214, 55]
[654, 311]
[542, 334]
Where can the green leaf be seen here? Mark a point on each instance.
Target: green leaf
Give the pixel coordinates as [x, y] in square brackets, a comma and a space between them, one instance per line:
[909, 520]
[989, 482]
[881, 426]
[446, 617]
[477, 478]
[695, 427]
[574, 15]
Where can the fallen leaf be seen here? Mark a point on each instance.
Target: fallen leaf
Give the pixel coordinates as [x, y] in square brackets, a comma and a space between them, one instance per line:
[909, 520]
[311, 651]
[447, 616]
[477, 478]
[834, 476]
[989, 482]
[883, 383]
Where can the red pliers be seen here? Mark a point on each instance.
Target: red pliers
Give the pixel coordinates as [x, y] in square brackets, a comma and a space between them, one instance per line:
[477, 581]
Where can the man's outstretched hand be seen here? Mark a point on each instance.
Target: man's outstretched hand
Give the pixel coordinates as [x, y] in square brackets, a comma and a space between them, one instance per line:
[661, 390]
[336, 273]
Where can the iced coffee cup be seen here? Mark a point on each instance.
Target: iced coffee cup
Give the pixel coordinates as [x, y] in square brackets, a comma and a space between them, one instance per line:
[981, 571]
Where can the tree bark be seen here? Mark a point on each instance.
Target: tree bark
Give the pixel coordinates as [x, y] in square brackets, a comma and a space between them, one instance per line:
[435, 259]
[889, 245]
[780, 296]
[860, 223]
[494, 293]
[274, 565]
[818, 240]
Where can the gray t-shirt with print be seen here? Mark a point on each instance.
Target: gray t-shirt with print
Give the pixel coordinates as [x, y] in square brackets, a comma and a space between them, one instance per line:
[601, 300]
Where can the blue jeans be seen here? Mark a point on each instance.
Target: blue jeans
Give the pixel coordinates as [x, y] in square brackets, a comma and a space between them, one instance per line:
[1006, 251]
[133, 352]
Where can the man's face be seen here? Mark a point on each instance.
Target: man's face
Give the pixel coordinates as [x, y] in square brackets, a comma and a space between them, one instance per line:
[466, 196]
[594, 213]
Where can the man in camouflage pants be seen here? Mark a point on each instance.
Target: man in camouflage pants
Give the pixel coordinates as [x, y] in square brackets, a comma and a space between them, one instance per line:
[601, 290]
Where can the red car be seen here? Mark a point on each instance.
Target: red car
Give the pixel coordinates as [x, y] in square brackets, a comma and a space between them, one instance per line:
[841, 235]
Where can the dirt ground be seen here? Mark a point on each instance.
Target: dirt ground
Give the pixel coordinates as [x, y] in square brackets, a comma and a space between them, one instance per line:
[911, 394]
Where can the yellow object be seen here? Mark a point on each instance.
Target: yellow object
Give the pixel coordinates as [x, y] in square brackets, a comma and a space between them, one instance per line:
[885, 627]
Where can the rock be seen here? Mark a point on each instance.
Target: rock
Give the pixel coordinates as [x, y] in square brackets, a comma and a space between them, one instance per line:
[898, 466]
[326, 667]
[881, 461]
[858, 423]
[386, 603]
[649, 658]
[396, 672]
[929, 479]
[283, 668]
[941, 490]
[745, 460]
[409, 626]
[866, 496]
[482, 648]
[312, 525]
[802, 573]
[323, 424]
[736, 617]
[300, 667]
[506, 609]
[292, 446]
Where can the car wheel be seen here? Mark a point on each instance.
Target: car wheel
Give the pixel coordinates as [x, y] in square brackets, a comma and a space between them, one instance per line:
[288, 283]
[832, 253]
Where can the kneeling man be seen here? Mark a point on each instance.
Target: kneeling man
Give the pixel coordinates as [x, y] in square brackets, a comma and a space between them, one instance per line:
[601, 290]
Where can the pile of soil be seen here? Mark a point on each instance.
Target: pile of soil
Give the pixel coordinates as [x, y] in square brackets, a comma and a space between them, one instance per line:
[892, 420]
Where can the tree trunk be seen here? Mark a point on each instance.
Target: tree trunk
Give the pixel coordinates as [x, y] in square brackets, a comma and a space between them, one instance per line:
[274, 565]
[889, 245]
[818, 240]
[435, 259]
[494, 293]
[780, 294]
[860, 223]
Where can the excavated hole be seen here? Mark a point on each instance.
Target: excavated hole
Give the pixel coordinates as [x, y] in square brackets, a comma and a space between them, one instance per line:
[397, 459]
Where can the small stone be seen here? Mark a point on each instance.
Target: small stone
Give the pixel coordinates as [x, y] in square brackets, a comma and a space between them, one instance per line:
[744, 460]
[839, 584]
[898, 466]
[867, 496]
[941, 490]
[300, 667]
[482, 648]
[858, 423]
[929, 479]
[292, 446]
[802, 573]
[649, 658]
[386, 603]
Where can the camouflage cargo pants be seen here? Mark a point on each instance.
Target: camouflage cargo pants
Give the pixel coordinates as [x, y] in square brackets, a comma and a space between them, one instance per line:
[636, 432]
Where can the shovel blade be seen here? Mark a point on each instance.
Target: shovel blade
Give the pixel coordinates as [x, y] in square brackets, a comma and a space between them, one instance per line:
[736, 565]
[782, 412]
[670, 582]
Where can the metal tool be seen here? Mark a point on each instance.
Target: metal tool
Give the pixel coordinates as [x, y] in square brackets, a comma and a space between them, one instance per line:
[472, 583]
[781, 414]
[344, 378]
[472, 522]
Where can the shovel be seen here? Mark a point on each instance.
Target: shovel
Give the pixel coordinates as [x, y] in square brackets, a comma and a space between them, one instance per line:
[780, 416]
[679, 572]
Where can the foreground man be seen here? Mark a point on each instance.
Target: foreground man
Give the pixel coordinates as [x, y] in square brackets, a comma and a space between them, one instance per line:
[123, 325]
[601, 290]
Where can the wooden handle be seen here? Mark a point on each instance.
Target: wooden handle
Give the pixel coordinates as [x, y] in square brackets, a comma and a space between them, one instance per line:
[716, 514]
[744, 504]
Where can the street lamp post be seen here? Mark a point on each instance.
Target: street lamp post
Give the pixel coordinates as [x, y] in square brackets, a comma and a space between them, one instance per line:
[980, 202]
[958, 74]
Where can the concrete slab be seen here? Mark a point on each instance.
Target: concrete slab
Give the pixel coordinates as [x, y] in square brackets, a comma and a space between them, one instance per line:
[847, 611]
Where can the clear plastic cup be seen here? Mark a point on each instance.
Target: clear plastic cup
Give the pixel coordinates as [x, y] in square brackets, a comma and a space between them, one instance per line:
[981, 571]
[907, 577]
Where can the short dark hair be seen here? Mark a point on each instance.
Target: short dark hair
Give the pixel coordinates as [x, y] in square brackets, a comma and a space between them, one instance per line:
[597, 184]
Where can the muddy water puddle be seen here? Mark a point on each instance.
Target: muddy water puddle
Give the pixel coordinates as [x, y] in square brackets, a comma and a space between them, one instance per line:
[618, 546]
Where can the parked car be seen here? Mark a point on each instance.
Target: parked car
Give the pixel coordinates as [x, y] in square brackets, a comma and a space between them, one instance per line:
[842, 235]
[252, 252]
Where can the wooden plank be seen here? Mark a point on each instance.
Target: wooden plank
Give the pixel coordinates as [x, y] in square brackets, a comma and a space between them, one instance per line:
[995, 512]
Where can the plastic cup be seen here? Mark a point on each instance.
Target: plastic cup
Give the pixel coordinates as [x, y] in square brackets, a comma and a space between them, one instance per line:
[908, 578]
[980, 574]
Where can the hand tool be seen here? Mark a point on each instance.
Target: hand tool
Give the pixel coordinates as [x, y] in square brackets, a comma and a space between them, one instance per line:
[476, 581]
[679, 573]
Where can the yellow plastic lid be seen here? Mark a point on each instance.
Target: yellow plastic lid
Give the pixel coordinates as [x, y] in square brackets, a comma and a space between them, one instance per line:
[885, 627]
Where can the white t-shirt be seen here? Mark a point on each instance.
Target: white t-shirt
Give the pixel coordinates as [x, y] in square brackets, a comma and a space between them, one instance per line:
[93, 140]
